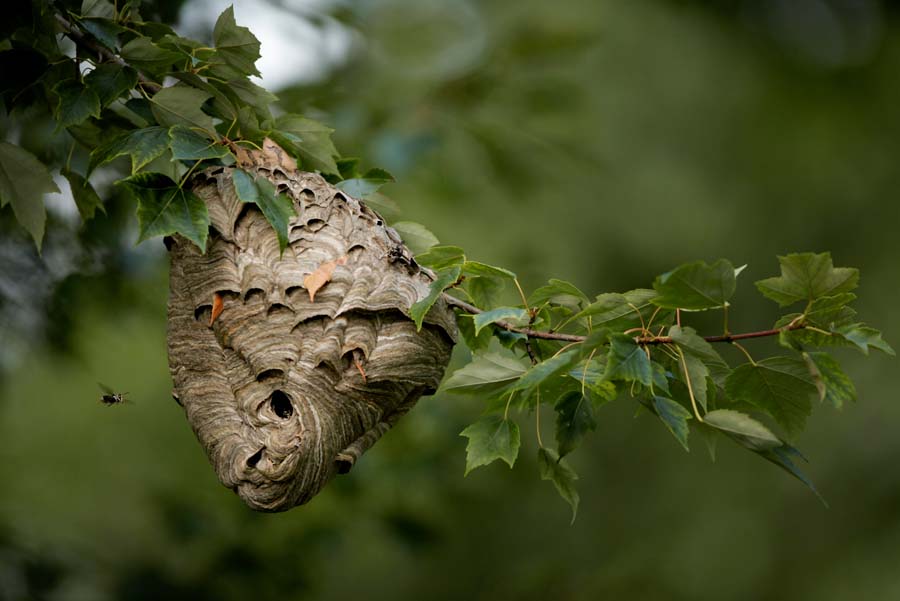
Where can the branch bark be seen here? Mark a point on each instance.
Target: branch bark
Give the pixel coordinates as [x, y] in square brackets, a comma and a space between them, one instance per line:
[82, 39]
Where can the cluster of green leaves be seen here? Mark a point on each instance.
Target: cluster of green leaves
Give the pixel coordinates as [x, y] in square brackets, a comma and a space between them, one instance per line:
[561, 348]
[161, 105]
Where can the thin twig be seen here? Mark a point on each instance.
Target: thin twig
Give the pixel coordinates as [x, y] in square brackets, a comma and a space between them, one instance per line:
[469, 308]
[642, 340]
[82, 39]
[726, 337]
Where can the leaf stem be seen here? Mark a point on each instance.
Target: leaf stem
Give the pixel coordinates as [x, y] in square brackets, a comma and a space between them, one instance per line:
[188, 174]
[743, 350]
[652, 317]
[725, 330]
[522, 295]
[584, 371]
[687, 380]
[508, 401]
[641, 317]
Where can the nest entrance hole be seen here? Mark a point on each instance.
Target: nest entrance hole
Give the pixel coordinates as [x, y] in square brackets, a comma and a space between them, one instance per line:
[281, 404]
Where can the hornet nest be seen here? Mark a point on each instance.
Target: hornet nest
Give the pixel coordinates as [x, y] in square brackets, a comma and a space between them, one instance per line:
[290, 366]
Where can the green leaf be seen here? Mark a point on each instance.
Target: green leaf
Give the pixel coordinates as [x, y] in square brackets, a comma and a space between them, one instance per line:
[806, 277]
[696, 286]
[743, 428]
[86, 198]
[416, 236]
[537, 374]
[188, 145]
[236, 45]
[783, 457]
[141, 109]
[190, 49]
[558, 292]
[249, 129]
[857, 335]
[443, 279]
[692, 344]
[142, 145]
[224, 103]
[348, 167]
[105, 30]
[675, 417]
[781, 386]
[574, 419]
[76, 102]
[308, 140]
[476, 269]
[442, 257]
[710, 437]
[252, 94]
[515, 315]
[627, 361]
[98, 8]
[144, 55]
[23, 182]
[660, 377]
[111, 81]
[862, 337]
[827, 311]
[156, 31]
[589, 375]
[476, 343]
[180, 105]
[486, 373]
[368, 184]
[485, 291]
[618, 311]
[696, 375]
[491, 438]
[831, 381]
[385, 206]
[164, 208]
[277, 208]
[555, 469]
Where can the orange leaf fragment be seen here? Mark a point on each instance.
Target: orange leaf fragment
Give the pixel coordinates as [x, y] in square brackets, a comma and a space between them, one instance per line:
[218, 306]
[321, 276]
[358, 363]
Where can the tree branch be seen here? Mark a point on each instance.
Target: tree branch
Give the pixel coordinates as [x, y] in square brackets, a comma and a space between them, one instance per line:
[461, 304]
[82, 39]
[642, 340]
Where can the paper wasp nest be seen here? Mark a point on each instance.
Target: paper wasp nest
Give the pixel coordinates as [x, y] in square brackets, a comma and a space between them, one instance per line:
[285, 390]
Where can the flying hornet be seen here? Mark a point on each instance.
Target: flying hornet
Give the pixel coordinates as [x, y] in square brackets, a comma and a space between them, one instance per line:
[110, 398]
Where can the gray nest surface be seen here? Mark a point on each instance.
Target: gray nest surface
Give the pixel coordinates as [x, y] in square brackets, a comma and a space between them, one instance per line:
[282, 391]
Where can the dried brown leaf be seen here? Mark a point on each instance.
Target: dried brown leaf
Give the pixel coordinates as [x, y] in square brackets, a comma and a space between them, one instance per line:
[271, 156]
[321, 276]
[278, 156]
[217, 307]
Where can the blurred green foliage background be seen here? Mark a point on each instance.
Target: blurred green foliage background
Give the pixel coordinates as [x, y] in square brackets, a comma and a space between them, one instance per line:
[600, 142]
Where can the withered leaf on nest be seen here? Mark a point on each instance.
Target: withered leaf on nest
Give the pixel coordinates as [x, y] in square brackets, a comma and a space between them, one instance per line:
[271, 156]
[321, 276]
[217, 307]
